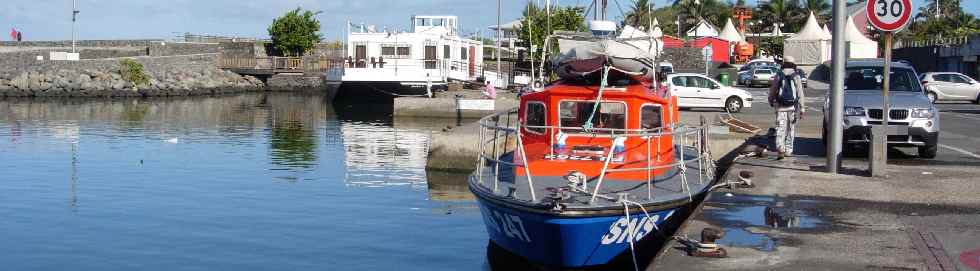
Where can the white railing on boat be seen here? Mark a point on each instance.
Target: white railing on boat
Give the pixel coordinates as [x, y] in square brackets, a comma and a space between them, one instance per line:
[497, 130]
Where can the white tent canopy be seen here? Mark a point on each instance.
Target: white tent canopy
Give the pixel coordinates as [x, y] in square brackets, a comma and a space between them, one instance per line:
[858, 46]
[810, 46]
[729, 33]
[703, 29]
[826, 31]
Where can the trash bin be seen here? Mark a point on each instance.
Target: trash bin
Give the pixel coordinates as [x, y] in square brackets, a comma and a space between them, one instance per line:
[723, 79]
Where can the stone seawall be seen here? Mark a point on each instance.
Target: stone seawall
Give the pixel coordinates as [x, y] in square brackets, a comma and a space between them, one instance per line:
[168, 76]
[24, 54]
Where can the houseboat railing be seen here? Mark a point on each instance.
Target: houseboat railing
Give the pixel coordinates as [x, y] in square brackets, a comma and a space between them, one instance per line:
[691, 146]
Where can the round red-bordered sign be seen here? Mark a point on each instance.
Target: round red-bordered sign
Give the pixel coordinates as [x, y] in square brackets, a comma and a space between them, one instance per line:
[882, 14]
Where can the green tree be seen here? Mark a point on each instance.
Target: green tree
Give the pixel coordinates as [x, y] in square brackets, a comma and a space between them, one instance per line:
[951, 22]
[821, 8]
[948, 8]
[640, 15]
[693, 11]
[296, 32]
[562, 19]
[786, 12]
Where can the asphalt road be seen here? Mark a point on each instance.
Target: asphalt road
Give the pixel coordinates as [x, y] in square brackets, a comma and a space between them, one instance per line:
[959, 135]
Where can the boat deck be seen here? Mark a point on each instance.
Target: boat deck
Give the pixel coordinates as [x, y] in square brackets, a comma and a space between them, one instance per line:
[550, 191]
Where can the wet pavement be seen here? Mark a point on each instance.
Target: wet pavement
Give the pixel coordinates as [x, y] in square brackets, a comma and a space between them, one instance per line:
[924, 216]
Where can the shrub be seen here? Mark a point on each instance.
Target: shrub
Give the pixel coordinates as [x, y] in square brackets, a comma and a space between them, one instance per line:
[132, 72]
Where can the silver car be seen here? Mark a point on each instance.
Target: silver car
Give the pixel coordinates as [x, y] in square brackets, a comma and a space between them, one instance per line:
[950, 86]
[914, 121]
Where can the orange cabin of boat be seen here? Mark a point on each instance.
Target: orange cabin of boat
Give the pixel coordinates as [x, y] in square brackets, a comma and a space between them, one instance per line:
[564, 108]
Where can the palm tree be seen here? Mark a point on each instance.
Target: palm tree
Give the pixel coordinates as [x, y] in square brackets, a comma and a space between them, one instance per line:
[950, 8]
[639, 16]
[819, 7]
[786, 12]
[693, 11]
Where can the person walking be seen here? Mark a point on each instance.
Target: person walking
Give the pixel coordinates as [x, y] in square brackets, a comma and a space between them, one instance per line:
[786, 95]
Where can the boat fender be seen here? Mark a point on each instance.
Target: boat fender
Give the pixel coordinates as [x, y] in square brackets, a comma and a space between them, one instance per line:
[560, 139]
[619, 145]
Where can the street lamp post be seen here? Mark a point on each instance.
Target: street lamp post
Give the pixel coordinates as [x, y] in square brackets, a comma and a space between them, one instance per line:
[74, 15]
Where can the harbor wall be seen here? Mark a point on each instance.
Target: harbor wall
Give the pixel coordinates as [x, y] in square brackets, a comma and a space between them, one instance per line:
[168, 76]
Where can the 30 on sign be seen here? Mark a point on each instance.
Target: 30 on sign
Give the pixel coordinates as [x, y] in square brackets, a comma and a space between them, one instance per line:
[889, 15]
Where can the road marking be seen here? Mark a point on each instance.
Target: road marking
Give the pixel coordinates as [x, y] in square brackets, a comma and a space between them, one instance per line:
[949, 113]
[965, 152]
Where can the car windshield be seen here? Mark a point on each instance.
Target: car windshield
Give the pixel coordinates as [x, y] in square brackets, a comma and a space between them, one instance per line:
[870, 78]
[763, 71]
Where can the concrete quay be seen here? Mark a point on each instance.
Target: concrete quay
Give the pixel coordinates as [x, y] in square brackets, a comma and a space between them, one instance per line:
[925, 215]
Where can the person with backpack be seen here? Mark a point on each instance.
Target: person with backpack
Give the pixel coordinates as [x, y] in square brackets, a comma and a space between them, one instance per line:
[786, 95]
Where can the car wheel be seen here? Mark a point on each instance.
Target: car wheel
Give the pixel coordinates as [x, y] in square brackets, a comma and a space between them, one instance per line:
[928, 151]
[733, 104]
[932, 97]
[977, 101]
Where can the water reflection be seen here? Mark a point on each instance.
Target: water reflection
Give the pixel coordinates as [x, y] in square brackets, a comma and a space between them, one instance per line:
[148, 183]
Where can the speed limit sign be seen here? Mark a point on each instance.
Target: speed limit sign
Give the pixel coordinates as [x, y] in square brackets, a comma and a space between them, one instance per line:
[889, 15]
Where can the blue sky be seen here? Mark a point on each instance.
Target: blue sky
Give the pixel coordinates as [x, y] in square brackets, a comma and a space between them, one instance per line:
[129, 19]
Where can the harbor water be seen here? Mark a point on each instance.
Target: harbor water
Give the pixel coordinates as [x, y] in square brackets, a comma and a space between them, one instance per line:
[260, 181]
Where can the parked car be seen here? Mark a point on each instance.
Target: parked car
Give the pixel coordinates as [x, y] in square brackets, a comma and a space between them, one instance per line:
[950, 86]
[762, 76]
[914, 121]
[698, 90]
[666, 67]
[746, 70]
[803, 77]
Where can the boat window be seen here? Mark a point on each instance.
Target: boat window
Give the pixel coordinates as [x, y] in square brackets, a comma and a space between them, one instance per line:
[610, 115]
[462, 53]
[395, 51]
[651, 117]
[423, 22]
[437, 22]
[446, 52]
[534, 115]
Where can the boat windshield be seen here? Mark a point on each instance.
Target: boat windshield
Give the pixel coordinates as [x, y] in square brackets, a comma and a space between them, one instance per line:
[615, 79]
[608, 116]
[869, 78]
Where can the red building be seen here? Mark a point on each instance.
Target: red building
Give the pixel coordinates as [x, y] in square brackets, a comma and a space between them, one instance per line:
[672, 42]
[720, 47]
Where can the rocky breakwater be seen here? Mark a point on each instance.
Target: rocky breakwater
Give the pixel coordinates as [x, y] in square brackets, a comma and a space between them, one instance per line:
[107, 80]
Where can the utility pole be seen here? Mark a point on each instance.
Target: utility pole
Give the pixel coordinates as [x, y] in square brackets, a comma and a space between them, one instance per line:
[74, 15]
[835, 128]
[499, 72]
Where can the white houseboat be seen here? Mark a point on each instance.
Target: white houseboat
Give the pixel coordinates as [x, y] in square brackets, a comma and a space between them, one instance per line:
[429, 56]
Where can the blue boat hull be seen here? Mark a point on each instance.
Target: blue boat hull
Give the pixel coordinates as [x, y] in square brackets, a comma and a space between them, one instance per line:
[569, 241]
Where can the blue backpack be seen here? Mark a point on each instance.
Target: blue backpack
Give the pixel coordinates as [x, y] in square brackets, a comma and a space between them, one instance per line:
[787, 90]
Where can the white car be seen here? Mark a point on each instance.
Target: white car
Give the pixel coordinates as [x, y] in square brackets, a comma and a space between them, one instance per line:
[950, 86]
[697, 90]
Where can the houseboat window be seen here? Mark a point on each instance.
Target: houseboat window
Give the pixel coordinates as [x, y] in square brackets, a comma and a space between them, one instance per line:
[387, 51]
[446, 52]
[462, 53]
[651, 117]
[423, 22]
[437, 22]
[430, 57]
[404, 51]
[574, 114]
[393, 51]
[534, 115]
